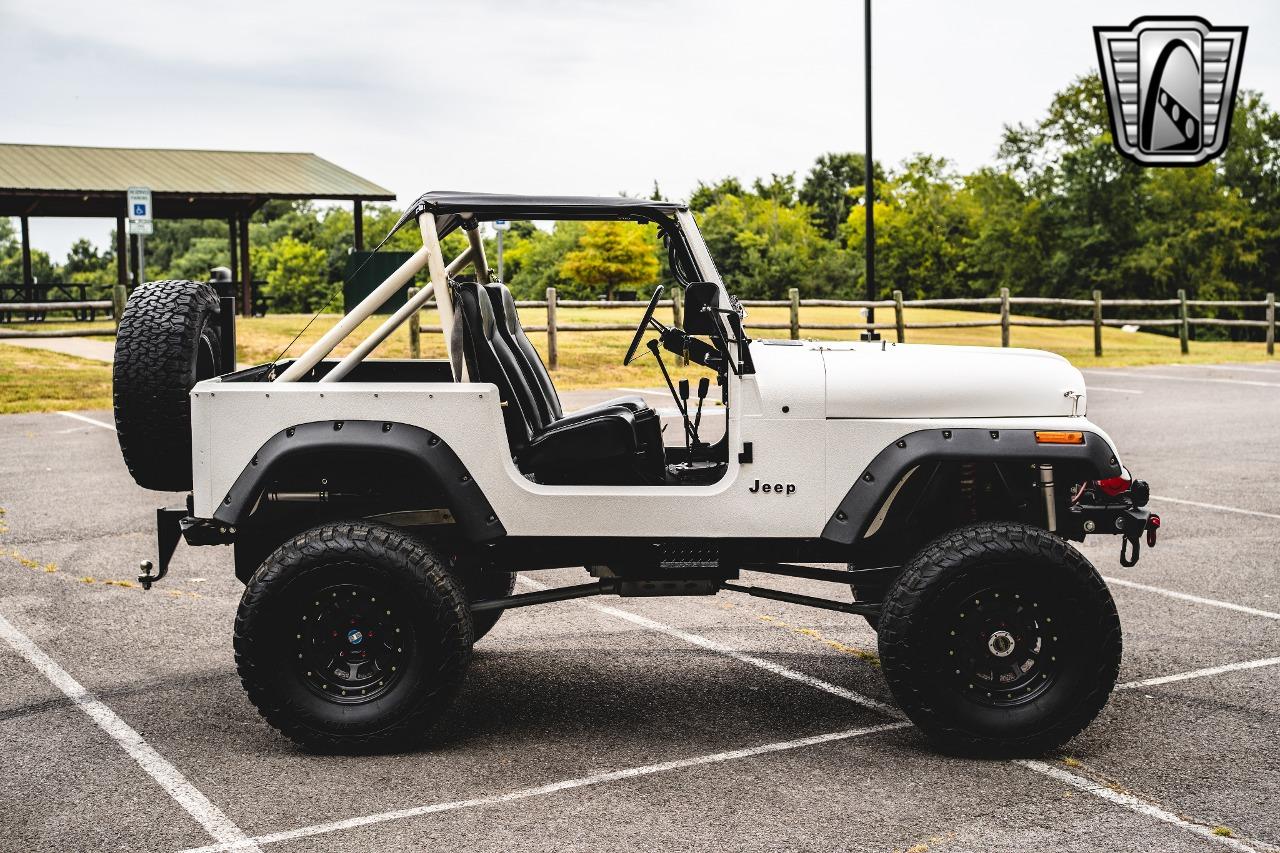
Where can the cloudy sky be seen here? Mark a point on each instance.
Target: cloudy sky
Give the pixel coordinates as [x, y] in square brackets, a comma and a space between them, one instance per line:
[555, 96]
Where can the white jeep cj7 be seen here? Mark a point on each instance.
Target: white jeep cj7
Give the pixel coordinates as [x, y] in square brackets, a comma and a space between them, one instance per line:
[380, 509]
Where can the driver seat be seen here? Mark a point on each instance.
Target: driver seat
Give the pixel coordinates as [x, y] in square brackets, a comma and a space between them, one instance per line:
[606, 445]
[536, 375]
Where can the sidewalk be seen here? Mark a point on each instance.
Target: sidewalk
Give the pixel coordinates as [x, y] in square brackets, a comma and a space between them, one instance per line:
[90, 348]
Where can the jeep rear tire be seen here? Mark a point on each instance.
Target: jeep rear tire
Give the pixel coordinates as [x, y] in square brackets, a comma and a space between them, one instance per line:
[1000, 639]
[353, 636]
[168, 341]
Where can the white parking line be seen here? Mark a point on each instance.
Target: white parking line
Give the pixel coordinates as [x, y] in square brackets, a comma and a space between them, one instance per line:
[1127, 801]
[1272, 371]
[654, 392]
[88, 420]
[1116, 390]
[1198, 673]
[742, 657]
[707, 413]
[196, 804]
[1132, 803]
[1080, 783]
[1195, 599]
[552, 788]
[1191, 379]
[1218, 507]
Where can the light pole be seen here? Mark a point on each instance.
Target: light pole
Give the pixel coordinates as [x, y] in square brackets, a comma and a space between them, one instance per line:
[869, 196]
[500, 225]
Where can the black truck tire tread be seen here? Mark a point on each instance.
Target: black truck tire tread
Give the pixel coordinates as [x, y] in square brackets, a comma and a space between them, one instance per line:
[411, 559]
[152, 375]
[901, 626]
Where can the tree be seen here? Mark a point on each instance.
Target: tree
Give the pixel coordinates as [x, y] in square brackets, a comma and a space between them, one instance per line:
[763, 248]
[705, 195]
[829, 189]
[84, 257]
[780, 189]
[296, 276]
[43, 269]
[201, 256]
[1008, 246]
[173, 238]
[86, 265]
[1094, 220]
[612, 255]
[925, 229]
[533, 257]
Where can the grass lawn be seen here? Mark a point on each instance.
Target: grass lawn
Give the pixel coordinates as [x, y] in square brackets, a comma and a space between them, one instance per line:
[594, 359]
[31, 380]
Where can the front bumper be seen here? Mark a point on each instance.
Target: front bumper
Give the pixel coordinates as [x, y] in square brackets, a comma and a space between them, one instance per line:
[1094, 511]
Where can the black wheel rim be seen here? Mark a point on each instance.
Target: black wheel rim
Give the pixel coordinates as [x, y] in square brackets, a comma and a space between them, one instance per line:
[1001, 645]
[353, 645]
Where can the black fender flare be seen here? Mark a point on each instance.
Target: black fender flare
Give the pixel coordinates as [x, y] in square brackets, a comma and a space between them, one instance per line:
[422, 452]
[853, 514]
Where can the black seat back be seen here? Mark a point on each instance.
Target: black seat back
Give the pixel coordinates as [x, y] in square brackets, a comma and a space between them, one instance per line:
[489, 359]
[535, 372]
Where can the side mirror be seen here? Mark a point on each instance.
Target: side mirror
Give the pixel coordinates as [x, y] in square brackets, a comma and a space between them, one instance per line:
[699, 295]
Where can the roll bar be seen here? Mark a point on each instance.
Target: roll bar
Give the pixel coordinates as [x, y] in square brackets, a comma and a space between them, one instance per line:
[431, 258]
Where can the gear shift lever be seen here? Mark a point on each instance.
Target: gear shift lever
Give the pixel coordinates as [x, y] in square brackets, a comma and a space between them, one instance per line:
[703, 385]
[684, 397]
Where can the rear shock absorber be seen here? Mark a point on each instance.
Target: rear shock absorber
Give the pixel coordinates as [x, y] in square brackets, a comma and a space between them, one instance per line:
[969, 489]
[1050, 498]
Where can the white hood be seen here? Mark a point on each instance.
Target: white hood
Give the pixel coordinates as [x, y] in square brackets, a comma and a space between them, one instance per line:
[887, 380]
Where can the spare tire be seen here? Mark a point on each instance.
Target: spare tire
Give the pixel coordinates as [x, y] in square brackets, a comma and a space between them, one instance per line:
[168, 340]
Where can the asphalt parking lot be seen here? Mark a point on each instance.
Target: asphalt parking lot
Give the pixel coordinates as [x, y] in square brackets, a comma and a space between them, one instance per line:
[693, 724]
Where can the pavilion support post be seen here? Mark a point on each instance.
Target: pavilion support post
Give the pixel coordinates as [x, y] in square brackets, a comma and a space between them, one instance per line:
[27, 278]
[120, 293]
[231, 249]
[246, 269]
[357, 218]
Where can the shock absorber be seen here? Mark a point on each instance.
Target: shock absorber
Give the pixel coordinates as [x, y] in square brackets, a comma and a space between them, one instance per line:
[969, 489]
[1050, 498]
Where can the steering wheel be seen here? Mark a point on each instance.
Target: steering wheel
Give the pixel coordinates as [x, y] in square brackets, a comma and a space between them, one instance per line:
[644, 325]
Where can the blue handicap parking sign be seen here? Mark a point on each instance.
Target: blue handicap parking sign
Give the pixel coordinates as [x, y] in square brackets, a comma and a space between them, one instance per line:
[139, 210]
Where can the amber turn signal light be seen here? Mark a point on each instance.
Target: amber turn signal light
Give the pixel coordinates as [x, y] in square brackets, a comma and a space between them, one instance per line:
[1052, 437]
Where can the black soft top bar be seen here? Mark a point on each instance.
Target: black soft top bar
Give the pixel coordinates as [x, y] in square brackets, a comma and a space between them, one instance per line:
[448, 206]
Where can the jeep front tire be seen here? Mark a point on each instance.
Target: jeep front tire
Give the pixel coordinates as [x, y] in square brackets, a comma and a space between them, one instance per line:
[1000, 639]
